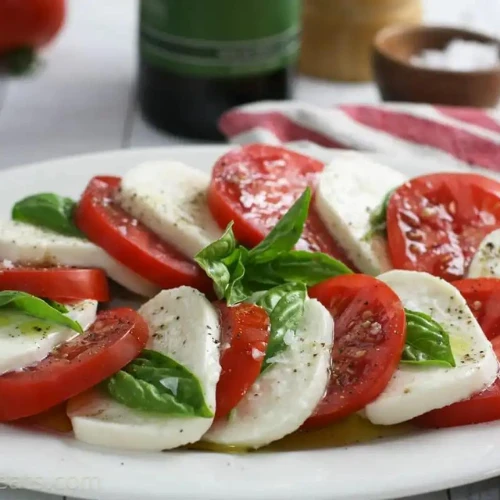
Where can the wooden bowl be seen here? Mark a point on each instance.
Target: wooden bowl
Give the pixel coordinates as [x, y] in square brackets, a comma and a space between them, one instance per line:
[400, 80]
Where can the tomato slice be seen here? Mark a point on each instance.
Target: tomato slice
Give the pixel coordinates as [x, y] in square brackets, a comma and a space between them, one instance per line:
[255, 185]
[132, 243]
[113, 340]
[29, 24]
[56, 282]
[482, 296]
[54, 419]
[370, 330]
[483, 407]
[436, 222]
[244, 336]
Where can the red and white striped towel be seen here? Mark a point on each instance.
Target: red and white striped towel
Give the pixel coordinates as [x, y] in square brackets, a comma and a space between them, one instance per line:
[453, 136]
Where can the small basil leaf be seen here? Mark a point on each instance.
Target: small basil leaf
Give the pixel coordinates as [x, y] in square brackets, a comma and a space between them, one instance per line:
[256, 296]
[48, 211]
[156, 383]
[237, 291]
[427, 343]
[215, 259]
[268, 299]
[297, 266]
[378, 218]
[231, 260]
[285, 234]
[38, 308]
[285, 306]
[57, 306]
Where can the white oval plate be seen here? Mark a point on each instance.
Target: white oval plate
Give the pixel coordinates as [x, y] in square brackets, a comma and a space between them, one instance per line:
[383, 469]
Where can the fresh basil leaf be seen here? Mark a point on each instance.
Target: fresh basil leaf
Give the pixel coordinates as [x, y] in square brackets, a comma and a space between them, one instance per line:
[156, 383]
[237, 291]
[256, 296]
[270, 298]
[216, 258]
[38, 308]
[285, 234]
[285, 306]
[378, 218]
[427, 343]
[297, 266]
[49, 211]
[57, 306]
[238, 273]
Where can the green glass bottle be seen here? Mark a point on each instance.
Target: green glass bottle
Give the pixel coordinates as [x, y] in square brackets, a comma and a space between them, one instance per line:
[198, 58]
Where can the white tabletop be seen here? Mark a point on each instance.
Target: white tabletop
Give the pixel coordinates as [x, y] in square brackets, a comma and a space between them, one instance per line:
[83, 100]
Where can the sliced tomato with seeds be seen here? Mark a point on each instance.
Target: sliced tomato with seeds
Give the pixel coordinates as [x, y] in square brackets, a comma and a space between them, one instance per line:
[57, 283]
[244, 336]
[435, 223]
[132, 243]
[255, 185]
[370, 331]
[113, 340]
[483, 298]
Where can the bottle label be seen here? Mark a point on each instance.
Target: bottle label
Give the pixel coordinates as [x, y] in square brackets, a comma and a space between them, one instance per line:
[220, 37]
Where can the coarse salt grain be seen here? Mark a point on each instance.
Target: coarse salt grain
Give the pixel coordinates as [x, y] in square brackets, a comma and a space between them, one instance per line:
[460, 55]
[288, 337]
[256, 354]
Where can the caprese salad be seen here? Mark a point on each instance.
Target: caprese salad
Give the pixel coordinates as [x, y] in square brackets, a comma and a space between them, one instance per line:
[280, 295]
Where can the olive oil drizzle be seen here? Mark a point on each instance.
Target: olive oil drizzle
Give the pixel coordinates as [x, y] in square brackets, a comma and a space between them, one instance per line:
[349, 431]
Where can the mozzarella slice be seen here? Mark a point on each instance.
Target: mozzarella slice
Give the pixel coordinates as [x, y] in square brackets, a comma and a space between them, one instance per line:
[170, 199]
[26, 244]
[486, 261]
[413, 390]
[287, 393]
[185, 326]
[349, 189]
[25, 340]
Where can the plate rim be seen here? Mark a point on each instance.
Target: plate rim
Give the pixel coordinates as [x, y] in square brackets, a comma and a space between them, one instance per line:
[277, 493]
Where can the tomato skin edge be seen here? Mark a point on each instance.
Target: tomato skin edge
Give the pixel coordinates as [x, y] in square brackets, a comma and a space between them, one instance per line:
[26, 393]
[485, 406]
[224, 213]
[169, 271]
[72, 284]
[245, 328]
[481, 409]
[361, 288]
[482, 296]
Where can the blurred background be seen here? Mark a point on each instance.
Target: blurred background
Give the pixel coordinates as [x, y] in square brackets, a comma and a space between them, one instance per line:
[87, 91]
